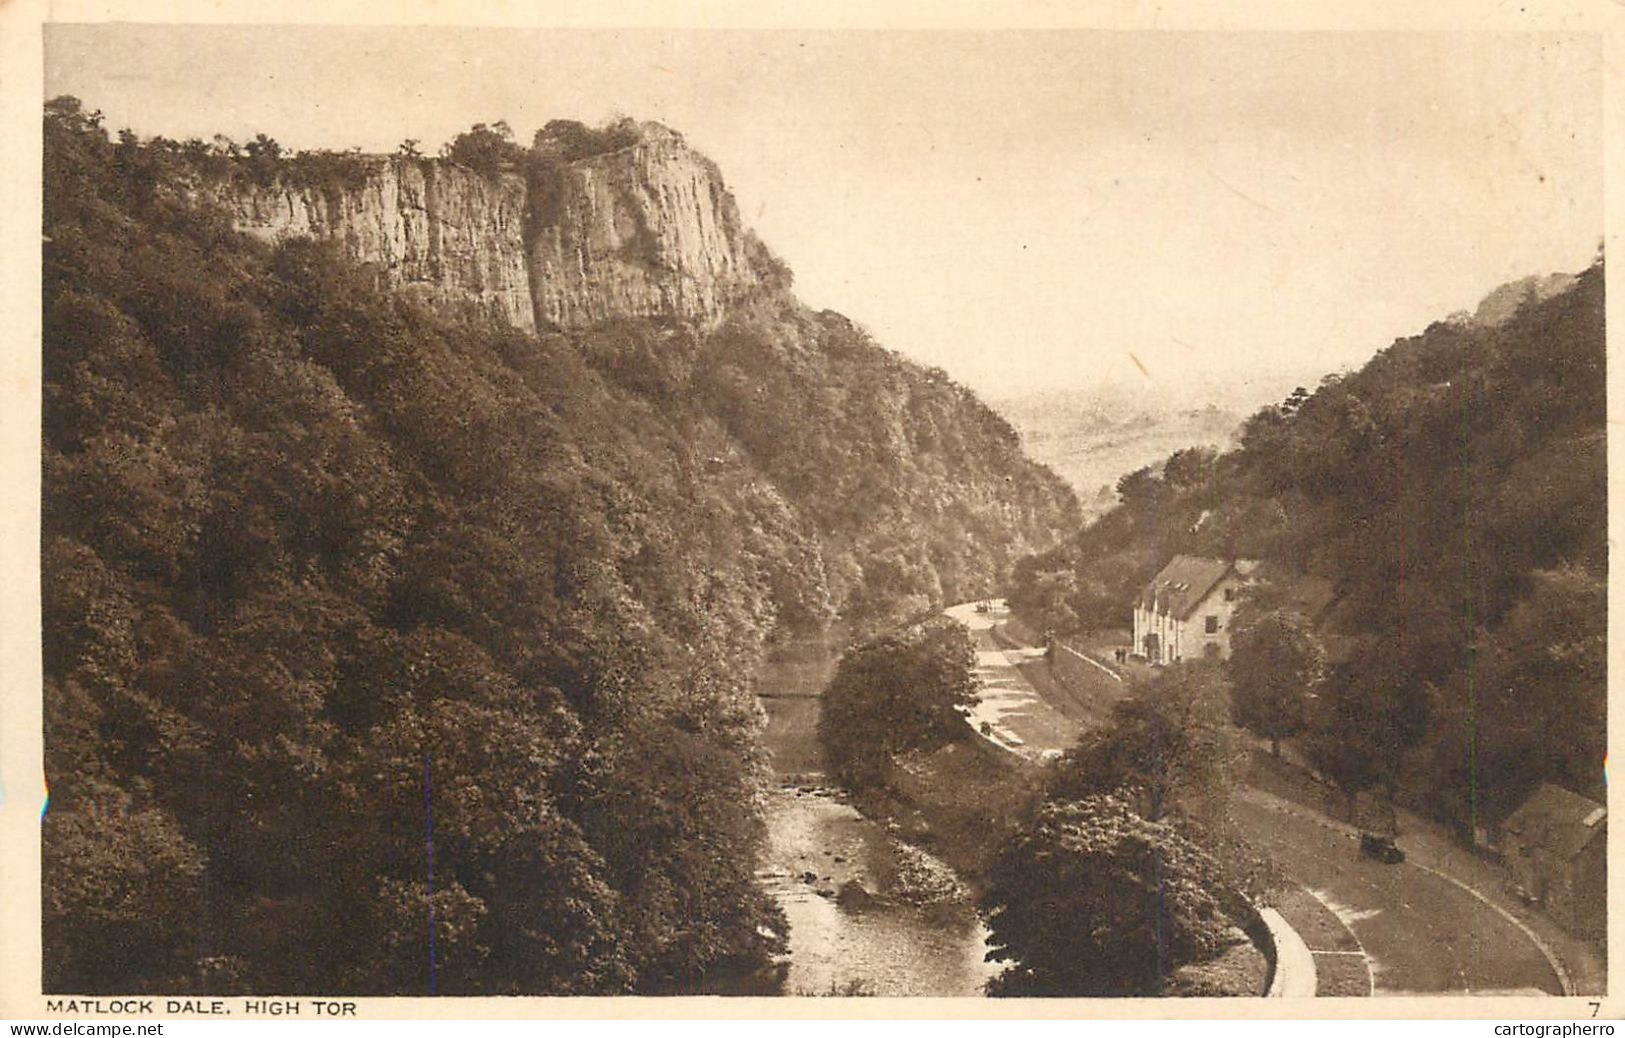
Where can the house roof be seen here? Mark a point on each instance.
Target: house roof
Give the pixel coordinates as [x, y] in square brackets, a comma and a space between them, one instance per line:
[1561, 822]
[1182, 584]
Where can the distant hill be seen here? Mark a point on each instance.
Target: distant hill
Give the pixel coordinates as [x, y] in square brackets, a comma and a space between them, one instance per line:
[1093, 437]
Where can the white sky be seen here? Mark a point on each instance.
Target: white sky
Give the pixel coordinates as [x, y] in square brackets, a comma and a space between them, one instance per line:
[1239, 212]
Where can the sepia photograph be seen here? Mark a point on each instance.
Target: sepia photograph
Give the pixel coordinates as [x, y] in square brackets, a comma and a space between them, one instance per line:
[806, 513]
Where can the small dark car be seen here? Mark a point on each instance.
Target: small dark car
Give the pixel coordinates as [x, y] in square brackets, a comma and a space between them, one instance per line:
[1380, 848]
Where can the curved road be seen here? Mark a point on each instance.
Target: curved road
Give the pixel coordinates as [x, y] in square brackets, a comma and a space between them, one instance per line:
[1416, 931]
[1420, 933]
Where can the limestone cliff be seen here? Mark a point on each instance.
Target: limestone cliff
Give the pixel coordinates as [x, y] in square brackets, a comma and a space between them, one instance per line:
[430, 226]
[645, 230]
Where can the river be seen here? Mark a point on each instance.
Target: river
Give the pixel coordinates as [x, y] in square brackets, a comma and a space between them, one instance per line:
[836, 873]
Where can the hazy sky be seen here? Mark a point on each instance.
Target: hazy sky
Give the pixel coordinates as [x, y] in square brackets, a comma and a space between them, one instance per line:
[1164, 211]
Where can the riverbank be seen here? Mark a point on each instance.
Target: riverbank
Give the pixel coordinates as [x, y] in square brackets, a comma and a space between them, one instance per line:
[964, 804]
[964, 801]
[961, 802]
[869, 913]
[879, 885]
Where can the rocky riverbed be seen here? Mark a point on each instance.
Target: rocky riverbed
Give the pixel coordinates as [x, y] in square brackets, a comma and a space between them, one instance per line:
[869, 915]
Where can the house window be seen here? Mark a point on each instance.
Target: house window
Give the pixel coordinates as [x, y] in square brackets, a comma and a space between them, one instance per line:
[1212, 625]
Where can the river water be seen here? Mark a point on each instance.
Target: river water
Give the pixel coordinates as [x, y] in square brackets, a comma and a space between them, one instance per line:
[834, 872]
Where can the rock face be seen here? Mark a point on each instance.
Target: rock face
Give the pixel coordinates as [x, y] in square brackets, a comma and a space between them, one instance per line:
[646, 230]
[426, 225]
[1499, 306]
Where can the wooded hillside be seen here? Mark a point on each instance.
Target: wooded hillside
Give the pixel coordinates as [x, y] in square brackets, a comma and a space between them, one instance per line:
[347, 600]
[1454, 493]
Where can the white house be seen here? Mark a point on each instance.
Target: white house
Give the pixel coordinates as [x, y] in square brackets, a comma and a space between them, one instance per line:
[1184, 613]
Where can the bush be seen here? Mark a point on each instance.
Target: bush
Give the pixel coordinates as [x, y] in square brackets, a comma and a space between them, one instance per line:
[487, 149]
[1094, 900]
[568, 140]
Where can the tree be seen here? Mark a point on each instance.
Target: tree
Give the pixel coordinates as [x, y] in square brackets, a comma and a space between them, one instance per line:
[486, 148]
[1295, 401]
[263, 147]
[569, 140]
[1190, 468]
[69, 112]
[1549, 672]
[1142, 491]
[1095, 900]
[1370, 713]
[118, 897]
[1276, 666]
[1168, 746]
[1533, 709]
[1047, 597]
[900, 692]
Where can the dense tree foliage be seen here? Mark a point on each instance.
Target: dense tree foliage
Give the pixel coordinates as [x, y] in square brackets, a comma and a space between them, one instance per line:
[1443, 490]
[902, 691]
[568, 140]
[1131, 868]
[1538, 677]
[920, 489]
[1169, 747]
[1095, 900]
[486, 148]
[333, 583]
[1275, 670]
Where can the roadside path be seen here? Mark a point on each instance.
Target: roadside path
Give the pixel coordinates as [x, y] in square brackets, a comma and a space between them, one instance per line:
[1085, 657]
[1015, 716]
